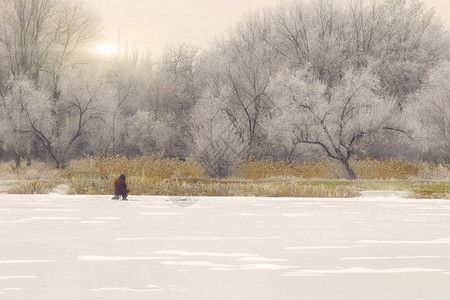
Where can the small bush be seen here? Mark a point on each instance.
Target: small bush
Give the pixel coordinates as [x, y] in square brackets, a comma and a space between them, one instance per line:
[435, 190]
[6, 170]
[32, 187]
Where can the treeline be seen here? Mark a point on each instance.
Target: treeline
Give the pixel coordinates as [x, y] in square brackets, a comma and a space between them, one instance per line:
[306, 80]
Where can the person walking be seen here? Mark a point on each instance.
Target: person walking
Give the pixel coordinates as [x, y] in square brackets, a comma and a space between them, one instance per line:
[120, 188]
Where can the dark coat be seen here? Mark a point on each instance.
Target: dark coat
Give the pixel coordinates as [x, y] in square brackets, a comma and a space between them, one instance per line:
[120, 187]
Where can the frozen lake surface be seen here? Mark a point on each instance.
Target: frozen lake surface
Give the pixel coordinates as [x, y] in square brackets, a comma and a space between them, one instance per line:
[91, 247]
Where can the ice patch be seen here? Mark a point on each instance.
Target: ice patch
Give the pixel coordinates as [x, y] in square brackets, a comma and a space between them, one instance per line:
[26, 220]
[295, 215]
[213, 254]
[51, 218]
[437, 241]
[321, 247]
[194, 264]
[17, 277]
[359, 271]
[24, 261]
[56, 209]
[160, 213]
[120, 258]
[388, 257]
[174, 287]
[400, 205]
[107, 218]
[192, 238]
[149, 288]
[93, 222]
[258, 258]
[438, 215]
[13, 221]
[266, 267]
[12, 289]
[251, 214]
[434, 208]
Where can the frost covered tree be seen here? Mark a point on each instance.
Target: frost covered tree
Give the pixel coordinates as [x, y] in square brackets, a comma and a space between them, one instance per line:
[38, 40]
[409, 41]
[25, 40]
[147, 135]
[43, 35]
[244, 63]
[25, 35]
[403, 37]
[57, 125]
[338, 121]
[170, 93]
[27, 110]
[123, 85]
[13, 122]
[431, 110]
[74, 27]
[215, 142]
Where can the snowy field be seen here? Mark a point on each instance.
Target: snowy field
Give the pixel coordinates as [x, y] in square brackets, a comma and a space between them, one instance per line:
[90, 247]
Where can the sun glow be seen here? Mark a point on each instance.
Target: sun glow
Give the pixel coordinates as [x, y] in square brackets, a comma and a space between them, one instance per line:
[107, 49]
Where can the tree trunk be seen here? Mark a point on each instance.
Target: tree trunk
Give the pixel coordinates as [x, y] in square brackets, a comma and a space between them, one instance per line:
[349, 169]
[29, 153]
[17, 151]
[17, 159]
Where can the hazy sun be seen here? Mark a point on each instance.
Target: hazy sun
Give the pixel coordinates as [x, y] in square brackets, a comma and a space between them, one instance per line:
[107, 49]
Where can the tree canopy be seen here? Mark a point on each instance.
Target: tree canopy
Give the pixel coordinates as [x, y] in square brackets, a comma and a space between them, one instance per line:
[304, 80]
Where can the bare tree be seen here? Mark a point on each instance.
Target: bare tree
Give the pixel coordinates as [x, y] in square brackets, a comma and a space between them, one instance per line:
[339, 121]
[13, 121]
[41, 117]
[26, 35]
[247, 64]
[431, 110]
[409, 41]
[74, 27]
[25, 40]
[171, 90]
[41, 36]
[365, 22]
[147, 135]
[215, 143]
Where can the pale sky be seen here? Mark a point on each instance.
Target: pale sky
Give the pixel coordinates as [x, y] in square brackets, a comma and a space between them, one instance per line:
[153, 24]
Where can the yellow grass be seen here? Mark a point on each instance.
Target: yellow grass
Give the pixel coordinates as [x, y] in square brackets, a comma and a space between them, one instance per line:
[364, 169]
[142, 186]
[169, 176]
[32, 187]
[37, 171]
[147, 167]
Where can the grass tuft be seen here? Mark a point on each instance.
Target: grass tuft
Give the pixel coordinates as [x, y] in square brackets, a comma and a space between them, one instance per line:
[364, 169]
[32, 187]
[169, 176]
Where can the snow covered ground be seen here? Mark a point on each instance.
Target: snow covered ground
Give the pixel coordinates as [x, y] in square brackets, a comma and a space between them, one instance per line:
[90, 247]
